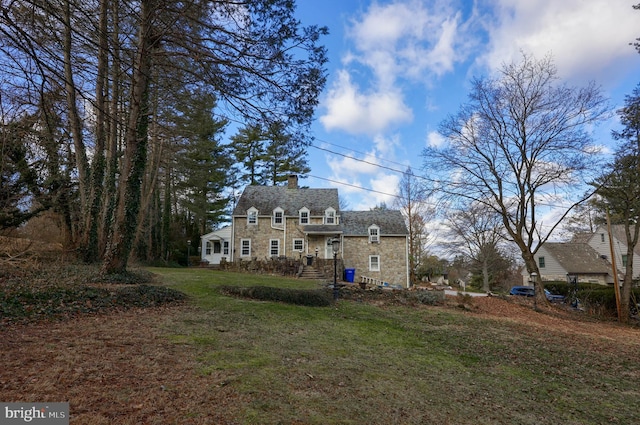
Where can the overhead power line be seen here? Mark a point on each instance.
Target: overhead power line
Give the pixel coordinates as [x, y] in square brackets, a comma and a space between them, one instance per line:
[353, 185]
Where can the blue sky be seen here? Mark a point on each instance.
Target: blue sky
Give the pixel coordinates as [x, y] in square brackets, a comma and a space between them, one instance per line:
[398, 68]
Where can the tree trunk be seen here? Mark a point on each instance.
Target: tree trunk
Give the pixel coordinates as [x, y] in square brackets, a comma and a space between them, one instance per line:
[75, 122]
[91, 249]
[129, 188]
[485, 275]
[532, 267]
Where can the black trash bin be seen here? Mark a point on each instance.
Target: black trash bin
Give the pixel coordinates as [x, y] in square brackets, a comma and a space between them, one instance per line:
[309, 260]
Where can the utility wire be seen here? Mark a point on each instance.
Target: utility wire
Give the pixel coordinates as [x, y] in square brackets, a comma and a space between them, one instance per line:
[353, 185]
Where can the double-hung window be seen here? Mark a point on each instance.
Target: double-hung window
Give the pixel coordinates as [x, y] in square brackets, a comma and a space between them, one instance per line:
[374, 234]
[274, 249]
[252, 216]
[374, 263]
[278, 217]
[298, 244]
[330, 216]
[245, 247]
[303, 216]
[541, 262]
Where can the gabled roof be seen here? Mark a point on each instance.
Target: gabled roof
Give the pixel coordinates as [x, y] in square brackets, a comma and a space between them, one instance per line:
[577, 258]
[581, 237]
[618, 232]
[222, 233]
[356, 223]
[267, 198]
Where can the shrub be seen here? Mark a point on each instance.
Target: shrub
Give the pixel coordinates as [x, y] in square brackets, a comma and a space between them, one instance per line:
[305, 297]
[430, 297]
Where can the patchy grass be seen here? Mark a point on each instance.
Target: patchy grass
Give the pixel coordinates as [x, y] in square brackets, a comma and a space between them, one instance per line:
[365, 360]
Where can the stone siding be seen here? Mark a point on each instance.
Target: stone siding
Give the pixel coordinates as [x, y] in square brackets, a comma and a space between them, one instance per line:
[262, 233]
[393, 258]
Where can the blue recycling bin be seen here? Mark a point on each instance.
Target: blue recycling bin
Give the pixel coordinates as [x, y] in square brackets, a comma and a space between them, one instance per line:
[349, 275]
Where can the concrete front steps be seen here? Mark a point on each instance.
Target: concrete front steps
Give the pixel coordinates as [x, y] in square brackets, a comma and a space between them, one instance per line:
[310, 272]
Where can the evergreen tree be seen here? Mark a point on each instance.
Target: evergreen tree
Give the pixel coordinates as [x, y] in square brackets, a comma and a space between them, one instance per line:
[204, 164]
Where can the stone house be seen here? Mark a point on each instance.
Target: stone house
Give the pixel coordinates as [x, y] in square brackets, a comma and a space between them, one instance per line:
[301, 223]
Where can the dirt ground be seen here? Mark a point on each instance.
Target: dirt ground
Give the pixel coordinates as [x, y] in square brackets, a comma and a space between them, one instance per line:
[118, 368]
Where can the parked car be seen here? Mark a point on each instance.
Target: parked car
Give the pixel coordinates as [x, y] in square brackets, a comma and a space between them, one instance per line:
[529, 291]
[525, 291]
[554, 298]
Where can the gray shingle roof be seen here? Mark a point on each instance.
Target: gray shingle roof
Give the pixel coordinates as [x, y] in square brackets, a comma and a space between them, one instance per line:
[267, 198]
[578, 258]
[356, 223]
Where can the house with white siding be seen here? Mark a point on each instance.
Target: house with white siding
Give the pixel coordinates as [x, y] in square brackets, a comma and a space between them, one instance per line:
[587, 256]
[599, 240]
[215, 247]
[557, 260]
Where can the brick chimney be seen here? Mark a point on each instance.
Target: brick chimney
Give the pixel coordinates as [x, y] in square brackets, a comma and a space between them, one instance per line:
[293, 181]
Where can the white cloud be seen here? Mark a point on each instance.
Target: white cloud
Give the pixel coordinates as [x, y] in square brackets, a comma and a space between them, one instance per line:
[358, 113]
[406, 39]
[392, 43]
[435, 139]
[588, 40]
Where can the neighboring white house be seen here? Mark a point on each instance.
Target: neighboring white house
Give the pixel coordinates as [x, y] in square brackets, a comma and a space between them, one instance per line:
[216, 245]
[587, 256]
[557, 260]
[600, 242]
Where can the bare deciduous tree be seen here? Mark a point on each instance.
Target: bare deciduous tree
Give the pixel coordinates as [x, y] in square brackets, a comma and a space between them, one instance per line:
[476, 231]
[413, 201]
[521, 142]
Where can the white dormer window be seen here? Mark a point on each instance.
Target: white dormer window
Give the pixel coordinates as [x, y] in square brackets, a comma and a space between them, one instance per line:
[303, 216]
[252, 216]
[374, 234]
[278, 217]
[330, 216]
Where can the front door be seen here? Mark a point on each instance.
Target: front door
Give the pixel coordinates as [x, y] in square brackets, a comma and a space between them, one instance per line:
[328, 247]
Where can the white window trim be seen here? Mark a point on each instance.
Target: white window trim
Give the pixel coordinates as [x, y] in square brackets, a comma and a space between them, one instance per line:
[371, 268]
[252, 212]
[330, 213]
[273, 218]
[225, 248]
[242, 242]
[374, 238]
[301, 241]
[271, 246]
[208, 248]
[304, 210]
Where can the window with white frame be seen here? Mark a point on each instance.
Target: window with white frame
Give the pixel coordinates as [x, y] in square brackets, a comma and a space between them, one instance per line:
[274, 249]
[374, 263]
[208, 248]
[374, 234]
[245, 247]
[304, 216]
[225, 248]
[278, 216]
[252, 216]
[298, 244]
[330, 216]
